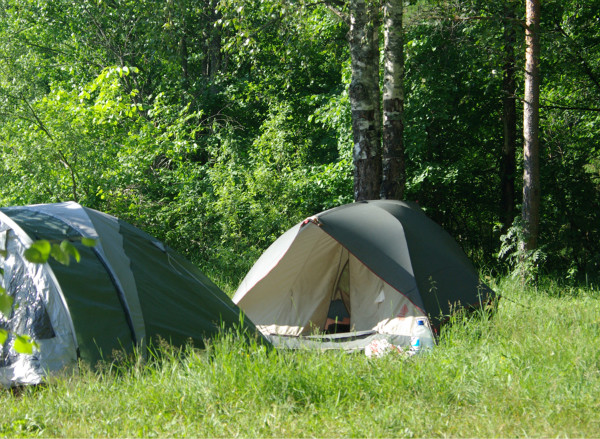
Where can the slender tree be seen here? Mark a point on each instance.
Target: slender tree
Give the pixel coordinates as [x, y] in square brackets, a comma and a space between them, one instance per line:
[509, 120]
[364, 96]
[393, 176]
[379, 169]
[531, 164]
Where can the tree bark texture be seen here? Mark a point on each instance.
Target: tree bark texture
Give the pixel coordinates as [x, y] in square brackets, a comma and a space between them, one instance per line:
[531, 165]
[393, 171]
[509, 119]
[364, 99]
[213, 58]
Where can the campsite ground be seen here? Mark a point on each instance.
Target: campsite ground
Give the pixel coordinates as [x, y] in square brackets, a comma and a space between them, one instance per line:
[532, 370]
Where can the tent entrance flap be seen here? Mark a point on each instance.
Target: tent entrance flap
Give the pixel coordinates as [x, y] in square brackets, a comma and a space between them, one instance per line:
[298, 304]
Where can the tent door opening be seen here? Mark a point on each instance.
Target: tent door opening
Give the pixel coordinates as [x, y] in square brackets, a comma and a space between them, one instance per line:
[338, 315]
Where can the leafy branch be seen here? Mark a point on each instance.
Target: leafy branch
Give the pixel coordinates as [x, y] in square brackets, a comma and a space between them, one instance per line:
[38, 253]
[523, 264]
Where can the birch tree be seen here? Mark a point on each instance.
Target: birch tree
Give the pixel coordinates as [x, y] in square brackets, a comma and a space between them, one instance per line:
[393, 172]
[377, 123]
[531, 164]
[364, 96]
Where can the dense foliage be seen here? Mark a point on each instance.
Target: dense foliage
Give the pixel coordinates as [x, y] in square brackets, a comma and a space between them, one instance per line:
[217, 124]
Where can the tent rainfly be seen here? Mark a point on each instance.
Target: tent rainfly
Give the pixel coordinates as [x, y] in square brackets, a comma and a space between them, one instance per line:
[359, 272]
[126, 290]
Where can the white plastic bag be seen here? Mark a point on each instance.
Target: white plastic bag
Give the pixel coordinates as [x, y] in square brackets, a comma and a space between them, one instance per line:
[379, 348]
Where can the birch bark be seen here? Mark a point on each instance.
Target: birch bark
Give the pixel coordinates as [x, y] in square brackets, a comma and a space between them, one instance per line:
[531, 165]
[364, 98]
[393, 172]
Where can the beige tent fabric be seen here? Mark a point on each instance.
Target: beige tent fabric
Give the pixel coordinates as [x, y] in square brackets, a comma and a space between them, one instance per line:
[285, 302]
[377, 306]
[289, 302]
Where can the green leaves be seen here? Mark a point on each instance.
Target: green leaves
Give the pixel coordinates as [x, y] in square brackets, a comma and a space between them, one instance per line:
[63, 252]
[41, 250]
[24, 344]
[38, 253]
[6, 302]
[88, 242]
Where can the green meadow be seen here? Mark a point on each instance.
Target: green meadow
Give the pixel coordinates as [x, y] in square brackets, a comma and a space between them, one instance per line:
[532, 370]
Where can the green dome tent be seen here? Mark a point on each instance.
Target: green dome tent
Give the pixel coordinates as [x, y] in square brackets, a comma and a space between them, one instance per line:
[385, 261]
[126, 290]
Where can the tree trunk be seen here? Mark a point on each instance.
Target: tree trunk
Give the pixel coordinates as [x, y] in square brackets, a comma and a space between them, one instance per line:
[184, 55]
[215, 46]
[509, 119]
[531, 165]
[393, 172]
[364, 99]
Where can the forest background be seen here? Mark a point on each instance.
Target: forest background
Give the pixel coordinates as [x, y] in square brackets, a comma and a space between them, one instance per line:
[216, 125]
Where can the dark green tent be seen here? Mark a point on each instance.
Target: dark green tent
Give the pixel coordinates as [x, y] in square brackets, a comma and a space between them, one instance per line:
[128, 289]
[386, 261]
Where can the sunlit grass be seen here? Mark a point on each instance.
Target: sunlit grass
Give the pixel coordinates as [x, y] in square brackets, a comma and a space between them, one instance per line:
[530, 370]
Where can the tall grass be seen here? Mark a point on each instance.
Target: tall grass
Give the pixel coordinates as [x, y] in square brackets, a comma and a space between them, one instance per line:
[533, 369]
